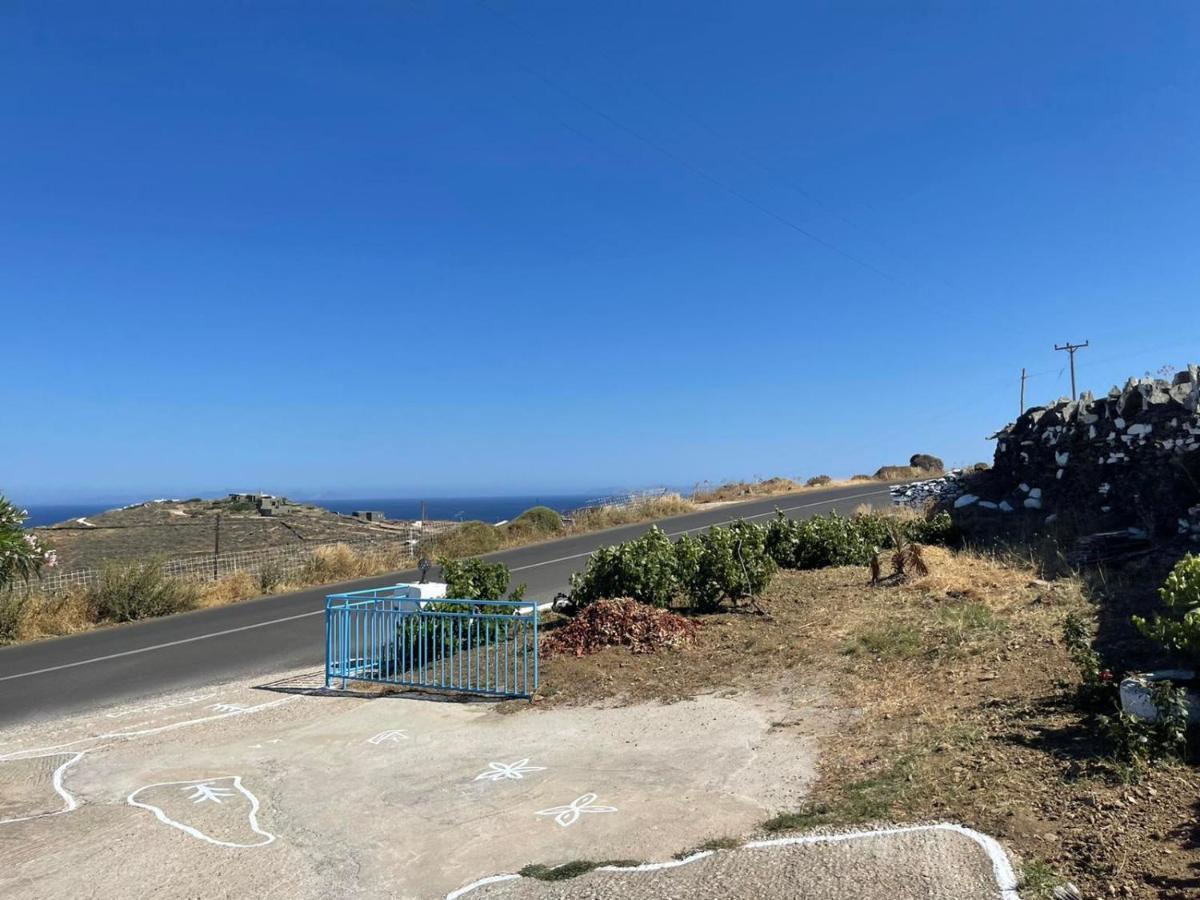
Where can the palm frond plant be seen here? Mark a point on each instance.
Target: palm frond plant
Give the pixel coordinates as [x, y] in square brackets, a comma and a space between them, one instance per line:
[905, 556]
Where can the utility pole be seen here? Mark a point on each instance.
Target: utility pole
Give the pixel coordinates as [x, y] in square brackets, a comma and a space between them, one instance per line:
[1071, 348]
[216, 546]
[1021, 411]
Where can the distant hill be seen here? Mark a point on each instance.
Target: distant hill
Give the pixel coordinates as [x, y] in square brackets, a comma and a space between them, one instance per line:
[175, 528]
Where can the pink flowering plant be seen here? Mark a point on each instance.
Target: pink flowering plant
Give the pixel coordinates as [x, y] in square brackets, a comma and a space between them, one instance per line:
[22, 556]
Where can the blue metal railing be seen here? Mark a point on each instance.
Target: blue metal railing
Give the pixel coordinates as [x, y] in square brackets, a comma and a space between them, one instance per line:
[470, 646]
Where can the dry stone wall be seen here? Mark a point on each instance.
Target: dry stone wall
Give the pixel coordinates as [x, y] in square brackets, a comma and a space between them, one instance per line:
[1130, 459]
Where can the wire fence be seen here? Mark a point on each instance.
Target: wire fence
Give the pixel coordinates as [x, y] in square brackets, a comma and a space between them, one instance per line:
[631, 498]
[283, 561]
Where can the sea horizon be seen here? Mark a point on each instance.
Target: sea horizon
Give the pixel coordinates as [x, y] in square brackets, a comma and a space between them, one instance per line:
[487, 508]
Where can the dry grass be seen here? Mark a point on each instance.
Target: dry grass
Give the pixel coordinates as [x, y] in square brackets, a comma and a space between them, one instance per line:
[963, 710]
[745, 490]
[611, 516]
[40, 616]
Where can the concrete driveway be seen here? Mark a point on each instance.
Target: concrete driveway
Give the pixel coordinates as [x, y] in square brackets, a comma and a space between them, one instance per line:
[283, 790]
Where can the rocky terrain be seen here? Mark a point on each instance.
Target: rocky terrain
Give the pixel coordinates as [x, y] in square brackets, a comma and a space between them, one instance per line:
[178, 528]
[1127, 461]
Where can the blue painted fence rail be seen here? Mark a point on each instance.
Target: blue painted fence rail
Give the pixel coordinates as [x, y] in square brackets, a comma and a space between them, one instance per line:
[469, 646]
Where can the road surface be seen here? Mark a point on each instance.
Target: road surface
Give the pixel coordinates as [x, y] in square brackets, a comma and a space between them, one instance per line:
[261, 637]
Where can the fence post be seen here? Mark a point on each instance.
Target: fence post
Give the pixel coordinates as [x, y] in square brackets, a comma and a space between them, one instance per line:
[328, 644]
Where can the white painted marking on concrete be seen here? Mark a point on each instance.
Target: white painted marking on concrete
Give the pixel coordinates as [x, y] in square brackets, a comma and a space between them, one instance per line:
[491, 879]
[1002, 869]
[1006, 879]
[159, 707]
[204, 791]
[569, 814]
[227, 707]
[171, 726]
[389, 737]
[513, 771]
[318, 612]
[654, 867]
[69, 801]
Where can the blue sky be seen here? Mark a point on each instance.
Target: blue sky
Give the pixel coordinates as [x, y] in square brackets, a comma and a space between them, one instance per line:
[459, 247]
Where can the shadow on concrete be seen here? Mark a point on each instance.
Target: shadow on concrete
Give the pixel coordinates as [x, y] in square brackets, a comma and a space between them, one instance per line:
[313, 684]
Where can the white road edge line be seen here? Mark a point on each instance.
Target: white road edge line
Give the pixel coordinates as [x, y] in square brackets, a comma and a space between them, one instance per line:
[199, 637]
[550, 562]
[317, 612]
[1006, 879]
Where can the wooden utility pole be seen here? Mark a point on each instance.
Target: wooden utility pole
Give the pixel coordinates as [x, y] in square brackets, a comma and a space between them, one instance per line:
[1071, 348]
[1021, 411]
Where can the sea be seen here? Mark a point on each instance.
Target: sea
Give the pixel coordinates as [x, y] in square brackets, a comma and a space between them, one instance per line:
[487, 509]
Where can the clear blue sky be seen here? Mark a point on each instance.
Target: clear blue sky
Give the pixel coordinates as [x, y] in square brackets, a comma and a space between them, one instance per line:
[448, 247]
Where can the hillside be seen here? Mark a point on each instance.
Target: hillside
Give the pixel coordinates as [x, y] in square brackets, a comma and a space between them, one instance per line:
[174, 528]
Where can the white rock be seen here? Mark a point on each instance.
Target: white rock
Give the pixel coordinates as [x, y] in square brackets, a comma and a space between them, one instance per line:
[987, 504]
[1053, 517]
[1005, 506]
[965, 500]
[1024, 487]
[1140, 429]
[1061, 458]
[1033, 503]
[1035, 493]
[1058, 474]
[1120, 423]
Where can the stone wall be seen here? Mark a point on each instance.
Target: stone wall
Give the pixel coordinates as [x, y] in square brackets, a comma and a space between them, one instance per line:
[1130, 459]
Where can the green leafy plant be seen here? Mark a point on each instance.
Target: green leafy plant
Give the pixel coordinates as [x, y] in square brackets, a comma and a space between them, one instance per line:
[1179, 629]
[537, 520]
[1138, 743]
[939, 529]
[643, 569]
[1097, 687]
[725, 563]
[22, 555]
[477, 579]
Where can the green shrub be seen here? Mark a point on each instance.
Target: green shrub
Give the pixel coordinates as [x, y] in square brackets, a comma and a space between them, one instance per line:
[722, 564]
[537, 520]
[470, 539]
[822, 541]
[477, 579]
[1179, 630]
[939, 529]
[21, 555]
[1097, 688]
[1137, 743]
[725, 563]
[643, 569]
[835, 540]
[817, 481]
[141, 591]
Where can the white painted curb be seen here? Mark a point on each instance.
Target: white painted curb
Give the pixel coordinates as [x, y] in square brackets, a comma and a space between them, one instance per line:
[1002, 871]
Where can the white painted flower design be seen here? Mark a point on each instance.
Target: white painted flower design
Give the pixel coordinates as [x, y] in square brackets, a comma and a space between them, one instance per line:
[569, 814]
[508, 771]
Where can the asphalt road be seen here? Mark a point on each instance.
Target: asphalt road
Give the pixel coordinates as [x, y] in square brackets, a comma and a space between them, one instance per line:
[262, 637]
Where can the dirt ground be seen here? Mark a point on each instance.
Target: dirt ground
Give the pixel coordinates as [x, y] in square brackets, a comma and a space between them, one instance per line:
[958, 696]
